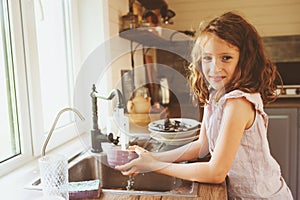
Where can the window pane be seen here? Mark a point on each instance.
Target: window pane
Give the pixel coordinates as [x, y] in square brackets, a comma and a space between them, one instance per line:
[55, 73]
[9, 131]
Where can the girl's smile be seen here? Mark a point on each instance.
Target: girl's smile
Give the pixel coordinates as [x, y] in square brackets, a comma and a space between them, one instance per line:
[217, 79]
[219, 61]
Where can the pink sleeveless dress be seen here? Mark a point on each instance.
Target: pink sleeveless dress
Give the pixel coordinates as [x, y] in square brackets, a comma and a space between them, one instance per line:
[254, 173]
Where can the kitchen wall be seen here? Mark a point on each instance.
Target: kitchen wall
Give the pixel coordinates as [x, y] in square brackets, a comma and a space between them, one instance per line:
[98, 27]
[271, 18]
[116, 10]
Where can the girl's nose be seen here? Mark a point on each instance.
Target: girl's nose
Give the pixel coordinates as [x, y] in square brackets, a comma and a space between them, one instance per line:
[216, 65]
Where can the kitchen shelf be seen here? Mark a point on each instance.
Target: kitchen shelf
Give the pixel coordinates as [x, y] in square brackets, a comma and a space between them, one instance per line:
[151, 39]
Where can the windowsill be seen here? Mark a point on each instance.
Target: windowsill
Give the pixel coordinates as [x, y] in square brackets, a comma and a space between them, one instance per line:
[13, 184]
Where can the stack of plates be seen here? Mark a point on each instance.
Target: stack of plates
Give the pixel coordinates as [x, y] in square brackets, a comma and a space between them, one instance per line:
[177, 131]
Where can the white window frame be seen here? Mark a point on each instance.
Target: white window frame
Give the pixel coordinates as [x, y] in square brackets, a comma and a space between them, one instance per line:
[25, 53]
[61, 134]
[21, 94]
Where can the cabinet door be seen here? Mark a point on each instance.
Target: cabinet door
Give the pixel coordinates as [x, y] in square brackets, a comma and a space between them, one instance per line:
[282, 135]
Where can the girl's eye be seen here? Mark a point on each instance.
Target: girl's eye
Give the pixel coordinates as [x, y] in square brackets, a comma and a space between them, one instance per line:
[226, 58]
[206, 58]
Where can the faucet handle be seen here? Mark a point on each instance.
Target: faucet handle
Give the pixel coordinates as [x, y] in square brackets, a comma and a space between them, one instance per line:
[112, 140]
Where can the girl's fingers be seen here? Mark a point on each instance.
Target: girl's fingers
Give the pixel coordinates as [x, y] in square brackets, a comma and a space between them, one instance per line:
[131, 147]
[123, 167]
[131, 172]
[139, 150]
[129, 168]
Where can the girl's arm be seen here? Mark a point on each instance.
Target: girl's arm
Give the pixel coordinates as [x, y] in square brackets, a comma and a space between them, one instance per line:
[238, 116]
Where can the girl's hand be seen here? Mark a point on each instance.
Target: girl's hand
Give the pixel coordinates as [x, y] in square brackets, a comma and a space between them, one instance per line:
[141, 164]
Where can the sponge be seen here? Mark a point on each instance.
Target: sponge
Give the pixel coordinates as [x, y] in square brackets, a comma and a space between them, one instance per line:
[84, 189]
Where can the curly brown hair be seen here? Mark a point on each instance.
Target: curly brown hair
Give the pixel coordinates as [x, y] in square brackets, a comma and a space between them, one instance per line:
[255, 72]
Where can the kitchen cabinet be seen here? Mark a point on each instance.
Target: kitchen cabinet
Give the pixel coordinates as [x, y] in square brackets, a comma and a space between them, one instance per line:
[284, 143]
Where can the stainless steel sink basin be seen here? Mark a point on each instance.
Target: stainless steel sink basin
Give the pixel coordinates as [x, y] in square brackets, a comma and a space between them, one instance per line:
[84, 170]
[92, 166]
[112, 181]
[151, 181]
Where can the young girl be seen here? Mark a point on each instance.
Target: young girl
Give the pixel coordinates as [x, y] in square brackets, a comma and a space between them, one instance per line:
[233, 78]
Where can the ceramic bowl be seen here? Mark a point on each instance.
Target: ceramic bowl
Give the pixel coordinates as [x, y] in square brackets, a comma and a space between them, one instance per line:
[117, 156]
[174, 141]
[186, 124]
[175, 135]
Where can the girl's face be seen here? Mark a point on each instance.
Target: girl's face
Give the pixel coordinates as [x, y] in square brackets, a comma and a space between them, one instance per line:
[219, 61]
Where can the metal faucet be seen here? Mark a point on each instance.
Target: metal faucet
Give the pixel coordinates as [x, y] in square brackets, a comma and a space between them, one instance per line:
[54, 124]
[112, 94]
[96, 135]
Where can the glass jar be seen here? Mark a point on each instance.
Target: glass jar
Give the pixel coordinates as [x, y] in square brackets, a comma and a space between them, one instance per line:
[129, 21]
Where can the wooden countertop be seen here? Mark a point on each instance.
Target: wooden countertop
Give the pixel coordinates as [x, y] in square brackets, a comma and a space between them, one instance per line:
[205, 192]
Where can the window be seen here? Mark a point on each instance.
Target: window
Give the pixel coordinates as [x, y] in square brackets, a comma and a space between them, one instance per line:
[50, 74]
[9, 129]
[15, 144]
[56, 72]
[37, 74]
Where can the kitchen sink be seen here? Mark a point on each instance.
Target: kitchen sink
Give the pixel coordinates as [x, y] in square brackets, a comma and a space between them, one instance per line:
[84, 170]
[89, 166]
[151, 181]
